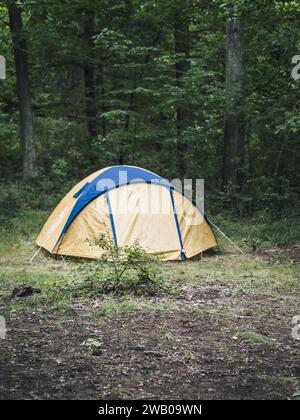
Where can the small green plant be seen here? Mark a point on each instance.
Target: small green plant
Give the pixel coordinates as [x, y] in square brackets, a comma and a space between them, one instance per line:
[248, 312]
[253, 242]
[168, 334]
[253, 337]
[118, 270]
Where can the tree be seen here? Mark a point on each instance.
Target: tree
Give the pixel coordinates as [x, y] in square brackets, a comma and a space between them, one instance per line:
[143, 83]
[235, 124]
[182, 66]
[23, 91]
[89, 74]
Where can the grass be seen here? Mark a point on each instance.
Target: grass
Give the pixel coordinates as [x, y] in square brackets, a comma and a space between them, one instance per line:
[260, 230]
[240, 273]
[246, 273]
[168, 334]
[253, 337]
[218, 307]
[113, 306]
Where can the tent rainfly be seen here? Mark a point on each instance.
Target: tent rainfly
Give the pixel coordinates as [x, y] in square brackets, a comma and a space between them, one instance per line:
[131, 205]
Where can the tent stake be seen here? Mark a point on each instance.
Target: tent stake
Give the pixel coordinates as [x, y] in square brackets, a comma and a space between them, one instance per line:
[225, 236]
[65, 263]
[33, 257]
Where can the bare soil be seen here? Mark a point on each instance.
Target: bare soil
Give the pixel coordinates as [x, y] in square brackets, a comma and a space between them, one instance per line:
[190, 351]
[281, 253]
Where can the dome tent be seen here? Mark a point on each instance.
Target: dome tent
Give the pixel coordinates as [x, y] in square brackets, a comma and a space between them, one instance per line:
[129, 204]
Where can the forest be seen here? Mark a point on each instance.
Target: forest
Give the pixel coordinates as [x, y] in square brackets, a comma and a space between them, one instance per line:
[187, 89]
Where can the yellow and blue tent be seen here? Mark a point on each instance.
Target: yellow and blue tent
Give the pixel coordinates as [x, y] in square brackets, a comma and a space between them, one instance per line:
[130, 205]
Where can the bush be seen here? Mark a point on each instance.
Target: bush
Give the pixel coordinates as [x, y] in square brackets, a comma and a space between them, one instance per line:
[42, 194]
[119, 270]
[271, 196]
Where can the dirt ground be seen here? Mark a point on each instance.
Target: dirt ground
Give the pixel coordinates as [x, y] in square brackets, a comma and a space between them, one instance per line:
[175, 353]
[292, 253]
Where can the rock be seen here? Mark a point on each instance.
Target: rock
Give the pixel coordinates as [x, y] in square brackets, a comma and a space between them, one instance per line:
[23, 291]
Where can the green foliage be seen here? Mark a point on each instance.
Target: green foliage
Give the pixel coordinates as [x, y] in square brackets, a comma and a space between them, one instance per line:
[118, 270]
[269, 196]
[44, 195]
[136, 98]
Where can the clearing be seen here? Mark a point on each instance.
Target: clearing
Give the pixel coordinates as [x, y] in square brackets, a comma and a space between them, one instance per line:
[225, 331]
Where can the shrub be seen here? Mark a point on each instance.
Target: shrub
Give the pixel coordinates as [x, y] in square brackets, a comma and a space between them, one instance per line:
[118, 270]
[270, 196]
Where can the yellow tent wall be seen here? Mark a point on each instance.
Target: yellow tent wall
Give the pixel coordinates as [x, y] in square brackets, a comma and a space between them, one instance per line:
[142, 213]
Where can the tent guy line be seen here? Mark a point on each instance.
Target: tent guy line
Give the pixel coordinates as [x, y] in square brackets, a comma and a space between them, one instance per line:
[225, 236]
[76, 219]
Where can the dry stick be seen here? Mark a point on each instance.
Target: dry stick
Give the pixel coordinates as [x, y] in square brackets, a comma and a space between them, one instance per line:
[215, 226]
[32, 258]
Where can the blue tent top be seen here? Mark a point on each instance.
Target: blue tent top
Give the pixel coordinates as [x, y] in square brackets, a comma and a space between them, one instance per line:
[109, 179]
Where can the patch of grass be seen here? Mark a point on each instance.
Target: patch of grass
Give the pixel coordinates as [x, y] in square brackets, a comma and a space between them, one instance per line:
[259, 231]
[242, 273]
[248, 312]
[114, 306]
[49, 280]
[188, 353]
[253, 337]
[168, 334]
[239, 273]
[18, 233]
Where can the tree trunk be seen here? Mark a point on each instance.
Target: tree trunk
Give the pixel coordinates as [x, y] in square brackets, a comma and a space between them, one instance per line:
[235, 121]
[89, 76]
[101, 93]
[23, 91]
[123, 153]
[182, 66]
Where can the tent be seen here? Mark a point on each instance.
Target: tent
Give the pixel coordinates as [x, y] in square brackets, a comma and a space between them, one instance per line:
[130, 205]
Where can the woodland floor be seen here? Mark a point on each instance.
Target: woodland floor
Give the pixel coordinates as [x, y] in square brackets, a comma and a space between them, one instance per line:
[226, 333]
[164, 354]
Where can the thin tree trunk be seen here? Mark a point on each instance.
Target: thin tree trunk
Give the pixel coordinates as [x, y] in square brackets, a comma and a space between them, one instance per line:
[182, 66]
[123, 156]
[23, 91]
[235, 121]
[101, 93]
[89, 76]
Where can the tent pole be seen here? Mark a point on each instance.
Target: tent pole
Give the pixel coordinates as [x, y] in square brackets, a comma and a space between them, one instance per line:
[225, 236]
[33, 257]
